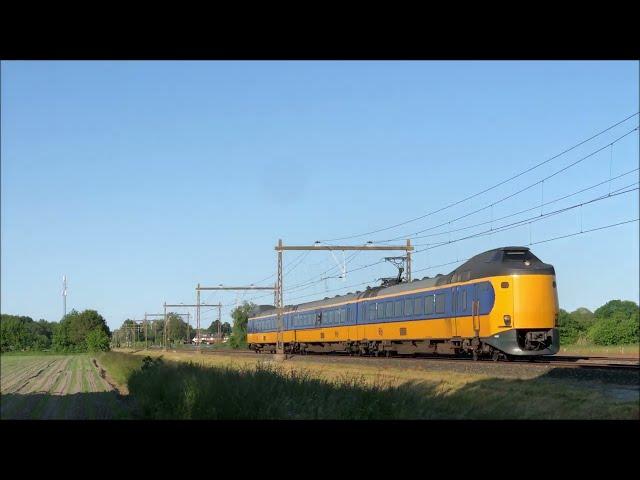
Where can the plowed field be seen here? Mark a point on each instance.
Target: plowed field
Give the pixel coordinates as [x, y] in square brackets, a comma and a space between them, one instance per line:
[56, 387]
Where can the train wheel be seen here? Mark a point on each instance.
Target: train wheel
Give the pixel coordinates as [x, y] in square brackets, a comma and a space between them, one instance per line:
[475, 355]
[495, 356]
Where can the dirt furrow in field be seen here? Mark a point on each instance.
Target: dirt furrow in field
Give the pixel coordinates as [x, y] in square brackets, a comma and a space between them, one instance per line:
[102, 401]
[76, 408]
[35, 377]
[47, 390]
[24, 399]
[9, 382]
[58, 403]
[53, 377]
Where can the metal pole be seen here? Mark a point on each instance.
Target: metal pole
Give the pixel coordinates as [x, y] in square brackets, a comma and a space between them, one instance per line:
[279, 344]
[165, 327]
[198, 318]
[408, 260]
[220, 322]
[146, 343]
[188, 336]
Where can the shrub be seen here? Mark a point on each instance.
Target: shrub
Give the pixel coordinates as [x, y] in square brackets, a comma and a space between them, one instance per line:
[97, 340]
[615, 330]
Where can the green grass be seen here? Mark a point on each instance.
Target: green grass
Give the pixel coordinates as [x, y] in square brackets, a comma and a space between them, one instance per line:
[33, 353]
[119, 365]
[181, 390]
[612, 350]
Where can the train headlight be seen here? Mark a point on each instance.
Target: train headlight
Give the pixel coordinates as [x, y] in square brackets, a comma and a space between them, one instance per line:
[507, 320]
[527, 263]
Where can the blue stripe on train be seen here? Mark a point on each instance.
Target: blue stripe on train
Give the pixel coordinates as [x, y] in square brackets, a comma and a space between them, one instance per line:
[445, 303]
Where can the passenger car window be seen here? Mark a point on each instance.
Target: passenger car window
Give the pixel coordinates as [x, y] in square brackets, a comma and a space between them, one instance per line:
[419, 306]
[380, 308]
[397, 308]
[408, 307]
[463, 301]
[440, 303]
[429, 304]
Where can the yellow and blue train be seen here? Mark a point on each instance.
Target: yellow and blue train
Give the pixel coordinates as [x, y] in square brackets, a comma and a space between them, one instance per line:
[500, 303]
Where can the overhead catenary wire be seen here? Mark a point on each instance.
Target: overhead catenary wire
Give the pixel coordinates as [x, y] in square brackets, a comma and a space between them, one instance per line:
[491, 205]
[507, 197]
[480, 234]
[348, 237]
[465, 259]
[519, 223]
[306, 284]
[525, 210]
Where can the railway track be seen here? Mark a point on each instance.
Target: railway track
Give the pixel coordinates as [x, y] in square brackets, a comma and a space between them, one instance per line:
[571, 361]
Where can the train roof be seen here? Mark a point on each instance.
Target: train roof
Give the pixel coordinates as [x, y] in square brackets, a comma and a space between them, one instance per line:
[498, 261]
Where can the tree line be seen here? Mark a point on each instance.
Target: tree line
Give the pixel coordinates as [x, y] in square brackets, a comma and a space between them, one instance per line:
[152, 333]
[85, 331]
[617, 322]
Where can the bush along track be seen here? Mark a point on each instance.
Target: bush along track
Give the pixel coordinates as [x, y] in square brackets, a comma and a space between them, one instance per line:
[261, 390]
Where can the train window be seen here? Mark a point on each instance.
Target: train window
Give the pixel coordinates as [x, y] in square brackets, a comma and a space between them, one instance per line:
[372, 312]
[419, 306]
[408, 307]
[389, 309]
[463, 301]
[380, 308]
[343, 315]
[397, 308]
[440, 303]
[429, 304]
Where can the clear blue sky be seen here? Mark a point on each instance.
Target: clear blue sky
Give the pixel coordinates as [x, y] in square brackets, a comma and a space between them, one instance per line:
[140, 179]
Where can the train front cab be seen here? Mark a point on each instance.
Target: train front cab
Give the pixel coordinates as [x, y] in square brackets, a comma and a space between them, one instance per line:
[524, 319]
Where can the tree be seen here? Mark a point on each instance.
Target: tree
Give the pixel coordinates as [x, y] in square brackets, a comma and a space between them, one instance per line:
[23, 333]
[213, 328]
[625, 308]
[97, 340]
[226, 329]
[177, 328]
[71, 334]
[617, 322]
[574, 326]
[240, 315]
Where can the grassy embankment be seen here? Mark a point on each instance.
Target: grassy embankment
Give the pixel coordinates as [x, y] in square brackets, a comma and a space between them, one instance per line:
[182, 386]
[611, 350]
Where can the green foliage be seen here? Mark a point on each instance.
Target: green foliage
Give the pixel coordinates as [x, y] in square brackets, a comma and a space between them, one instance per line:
[177, 329]
[225, 328]
[615, 323]
[97, 340]
[240, 315]
[120, 365]
[574, 326]
[184, 391]
[20, 333]
[71, 334]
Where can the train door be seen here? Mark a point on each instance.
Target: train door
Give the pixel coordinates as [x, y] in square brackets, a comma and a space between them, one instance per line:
[455, 292]
[475, 309]
[464, 305]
